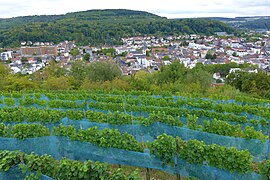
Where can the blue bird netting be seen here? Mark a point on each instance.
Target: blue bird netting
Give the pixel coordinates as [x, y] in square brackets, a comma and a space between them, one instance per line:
[59, 147]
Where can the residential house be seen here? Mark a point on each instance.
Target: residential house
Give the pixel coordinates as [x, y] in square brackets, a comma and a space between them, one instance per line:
[6, 55]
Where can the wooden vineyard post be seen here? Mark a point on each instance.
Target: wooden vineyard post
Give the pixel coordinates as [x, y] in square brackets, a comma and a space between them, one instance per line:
[148, 174]
[267, 154]
[178, 176]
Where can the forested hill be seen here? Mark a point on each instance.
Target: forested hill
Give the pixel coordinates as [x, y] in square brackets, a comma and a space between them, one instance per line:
[252, 22]
[99, 27]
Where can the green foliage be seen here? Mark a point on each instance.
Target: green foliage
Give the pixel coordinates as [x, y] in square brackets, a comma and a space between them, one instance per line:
[104, 138]
[234, 54]
[198, 152]
[251, 133]
[3, 130]
[229, 158]
[164, 148]
[75, 52]
[103, 71]
[222, 128]
[9, 101]
[65, 104]
[119, 118]
[264, 168]
[60, 169]
[192, 121]
[163, 118]
[193, 151]
[4, 70]
[210, 55]
[26, 101]
[110, 52]
[257, 83]
[86, 57]
[166, 58]
[177, 78]
[8, 159]
[24, 59]
[22, 114]
[23, 131]
[56, 83]
[262, 23]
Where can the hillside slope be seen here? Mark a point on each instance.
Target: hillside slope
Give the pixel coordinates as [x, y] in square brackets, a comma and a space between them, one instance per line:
[251, 23]
[99, 27]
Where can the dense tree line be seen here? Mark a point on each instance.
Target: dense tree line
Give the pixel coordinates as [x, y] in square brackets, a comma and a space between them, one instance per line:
[257, 84]
[257, 24]
[174, 78]
[100, 27]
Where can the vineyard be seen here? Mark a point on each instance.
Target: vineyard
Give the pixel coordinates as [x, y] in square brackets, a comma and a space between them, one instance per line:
[79, 134]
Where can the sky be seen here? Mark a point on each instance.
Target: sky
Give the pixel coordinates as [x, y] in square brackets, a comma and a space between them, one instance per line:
[165, 8]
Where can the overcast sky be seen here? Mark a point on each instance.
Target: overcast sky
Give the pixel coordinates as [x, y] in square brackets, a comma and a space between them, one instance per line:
[166, 8]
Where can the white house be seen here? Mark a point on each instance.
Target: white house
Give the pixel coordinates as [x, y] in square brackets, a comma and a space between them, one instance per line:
[236, 45]
[233, 70]
[143, 62]
[217, 76]
[256, 50]
[6, 55]
[120, 50]
[167, 63]
[15, 69]
[185, 61]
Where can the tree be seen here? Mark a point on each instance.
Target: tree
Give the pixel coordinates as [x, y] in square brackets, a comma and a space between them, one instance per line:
[258, 83]
[184, 43]
[75, 52]
[86, 57]
[24, 60]
[214, 56]
[108, 52]
[208, 56]
[124, 54]
[141, 80]
[18, 83]
[4, 72]
[56, 83]
[103, 71]
[39, 59]
[55, 70]
[234, 54]
[171, 73]
[78, 72]
[148, 53]
[166, 58]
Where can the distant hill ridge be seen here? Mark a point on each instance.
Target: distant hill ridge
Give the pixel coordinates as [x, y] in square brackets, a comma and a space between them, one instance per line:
[249, 22]
[97, 27]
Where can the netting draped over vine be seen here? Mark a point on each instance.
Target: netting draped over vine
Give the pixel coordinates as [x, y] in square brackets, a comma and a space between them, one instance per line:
[257, 148]
[59, 147]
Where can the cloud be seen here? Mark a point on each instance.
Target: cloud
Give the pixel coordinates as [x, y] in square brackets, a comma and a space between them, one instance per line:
[170, 8]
